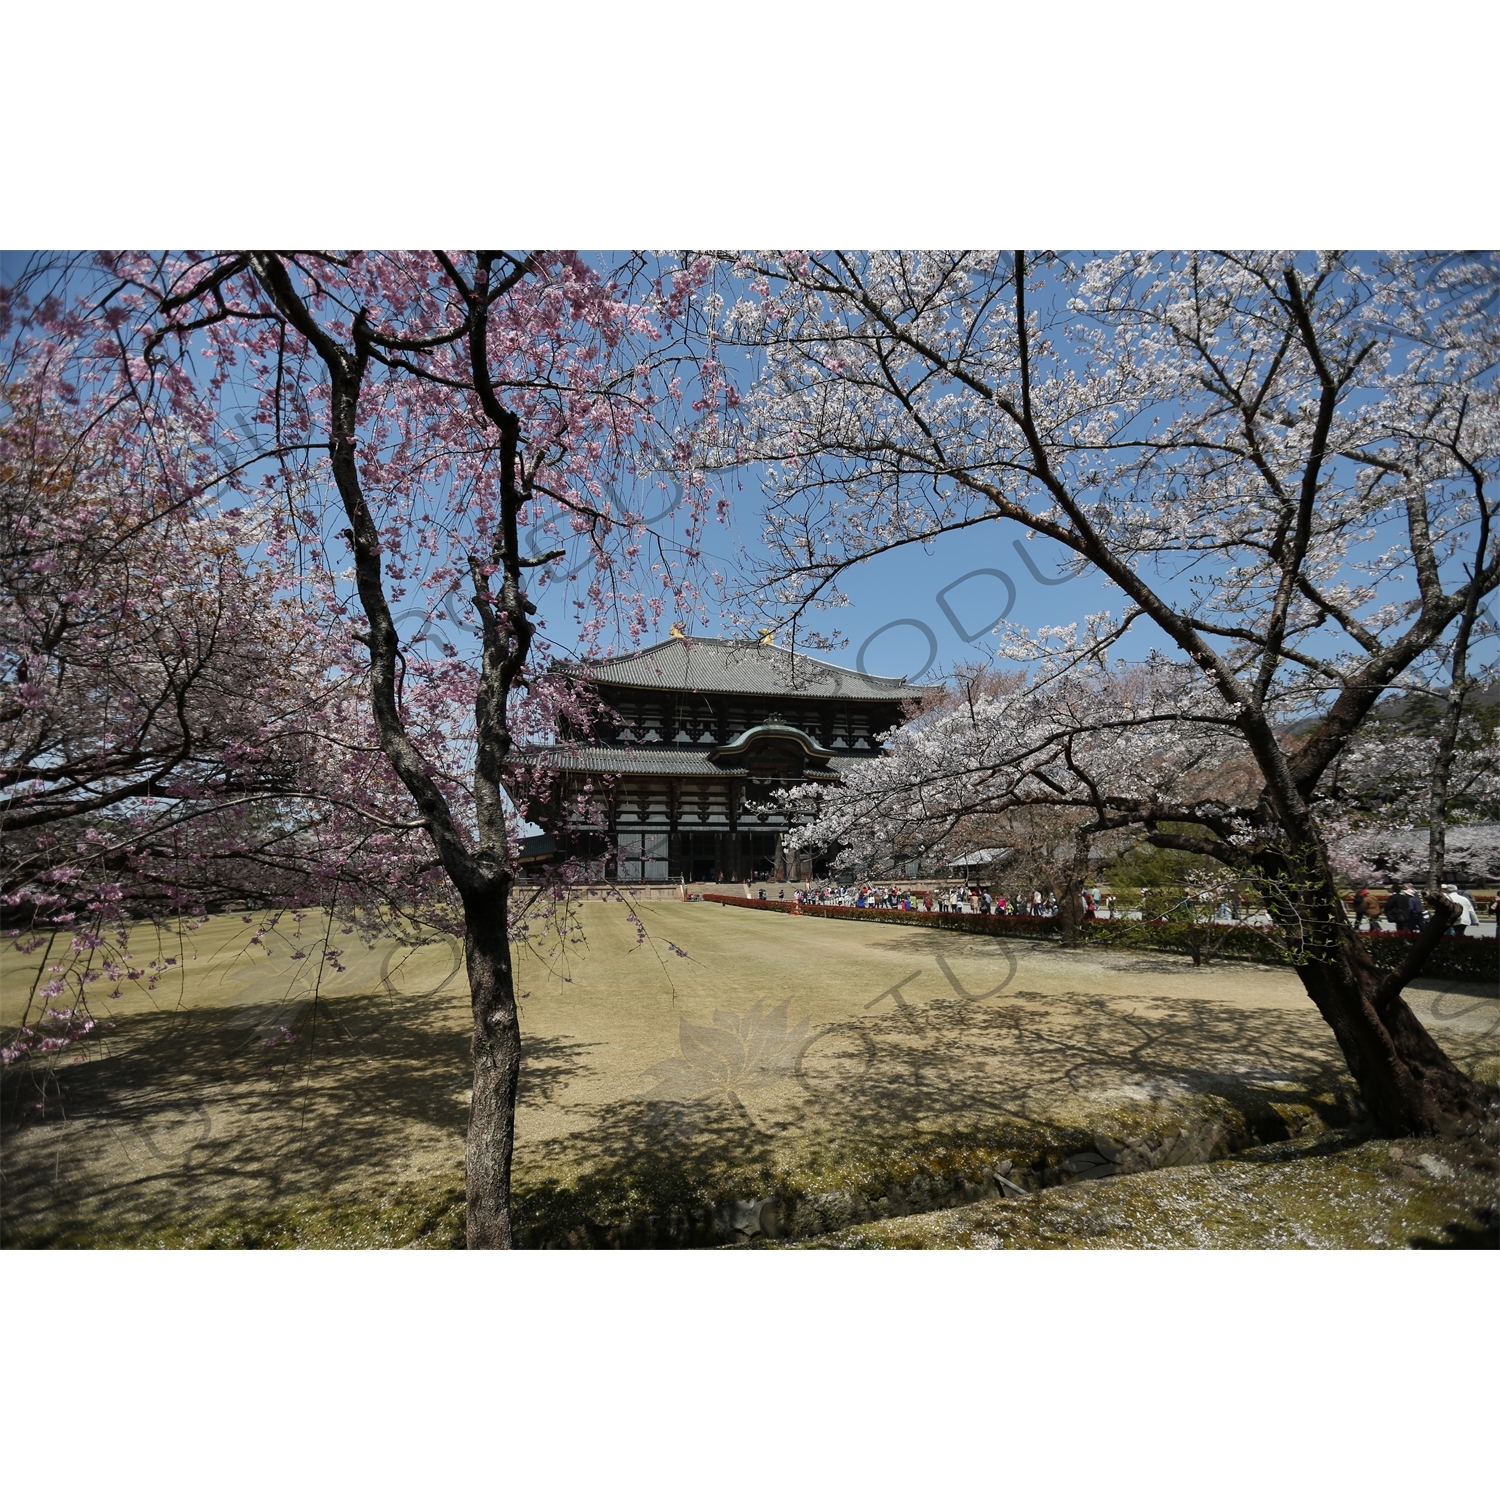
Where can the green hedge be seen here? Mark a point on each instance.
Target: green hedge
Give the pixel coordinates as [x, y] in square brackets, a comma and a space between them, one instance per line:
[1453, 958]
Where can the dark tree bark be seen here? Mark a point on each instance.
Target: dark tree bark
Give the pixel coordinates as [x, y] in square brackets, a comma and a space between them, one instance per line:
[1070, 904]
[1407, 1082]
[496, 1053]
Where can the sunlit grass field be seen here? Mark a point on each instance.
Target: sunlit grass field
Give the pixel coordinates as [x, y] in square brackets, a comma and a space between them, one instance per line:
[256, 1097]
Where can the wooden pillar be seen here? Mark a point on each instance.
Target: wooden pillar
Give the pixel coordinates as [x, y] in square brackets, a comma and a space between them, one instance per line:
[676, 859]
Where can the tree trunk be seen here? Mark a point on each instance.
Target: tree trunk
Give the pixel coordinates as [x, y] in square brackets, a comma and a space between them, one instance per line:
[1453, 715]
[1406, 1081]
[496, 1053]
[1070, 907]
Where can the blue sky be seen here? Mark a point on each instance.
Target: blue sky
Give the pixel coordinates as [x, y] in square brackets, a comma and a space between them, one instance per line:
[917, 612]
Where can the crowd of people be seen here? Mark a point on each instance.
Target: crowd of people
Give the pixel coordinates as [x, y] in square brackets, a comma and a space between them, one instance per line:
[1402, 910]
[1406, 911]
[973, 899]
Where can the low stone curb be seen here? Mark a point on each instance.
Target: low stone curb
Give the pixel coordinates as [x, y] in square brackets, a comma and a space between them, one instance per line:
[751, 1221]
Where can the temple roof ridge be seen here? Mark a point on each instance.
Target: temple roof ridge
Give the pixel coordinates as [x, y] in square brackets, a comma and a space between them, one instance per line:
[698, 663]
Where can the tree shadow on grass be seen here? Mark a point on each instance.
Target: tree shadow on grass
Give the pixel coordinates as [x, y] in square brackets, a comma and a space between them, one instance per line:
[195, 1114]
[1461, 1236]
[1051, 1056]
[926, 1086]
[176, 1119]
[550, 1065]
[185, 1113]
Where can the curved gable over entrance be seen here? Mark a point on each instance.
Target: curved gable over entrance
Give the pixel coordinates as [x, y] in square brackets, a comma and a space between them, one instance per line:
[773, 751]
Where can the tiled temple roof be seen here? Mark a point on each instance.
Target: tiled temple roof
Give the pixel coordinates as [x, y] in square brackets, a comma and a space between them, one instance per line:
[708, 664]
[623, 760]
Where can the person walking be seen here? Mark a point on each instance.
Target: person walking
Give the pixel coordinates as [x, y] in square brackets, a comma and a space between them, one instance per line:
[1394, 910]
[1409, 913]
[1417, 912]
[1467, 916]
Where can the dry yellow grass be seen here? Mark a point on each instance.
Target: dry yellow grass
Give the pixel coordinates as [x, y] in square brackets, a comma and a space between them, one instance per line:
[781, 1054]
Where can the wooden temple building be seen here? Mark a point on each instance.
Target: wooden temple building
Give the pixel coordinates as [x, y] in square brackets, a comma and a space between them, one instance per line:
[707, 729]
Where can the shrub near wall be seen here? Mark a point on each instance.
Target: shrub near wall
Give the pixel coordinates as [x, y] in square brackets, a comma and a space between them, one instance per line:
[1453, 958]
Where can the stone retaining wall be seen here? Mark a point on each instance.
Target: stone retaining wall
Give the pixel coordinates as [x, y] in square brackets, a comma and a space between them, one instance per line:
[1211, 1133]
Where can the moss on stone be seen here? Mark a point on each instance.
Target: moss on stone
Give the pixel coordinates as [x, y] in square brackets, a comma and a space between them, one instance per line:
[1333, 1193]
[403, 1215]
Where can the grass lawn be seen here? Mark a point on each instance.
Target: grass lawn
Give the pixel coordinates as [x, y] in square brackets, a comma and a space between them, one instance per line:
[810, 1062]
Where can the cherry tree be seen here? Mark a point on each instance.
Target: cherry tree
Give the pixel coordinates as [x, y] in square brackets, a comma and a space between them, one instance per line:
[1066, 764]
[424, 435]
[154, 683]
[1281, 464]
[163, 714]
